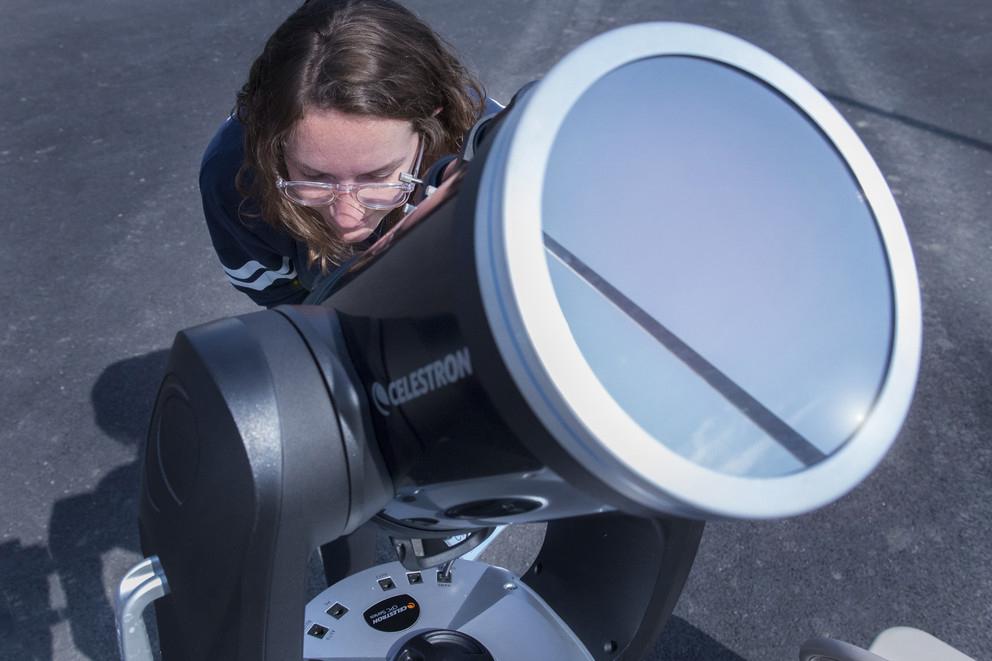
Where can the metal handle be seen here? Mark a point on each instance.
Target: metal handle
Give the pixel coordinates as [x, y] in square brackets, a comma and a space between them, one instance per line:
[141, 586]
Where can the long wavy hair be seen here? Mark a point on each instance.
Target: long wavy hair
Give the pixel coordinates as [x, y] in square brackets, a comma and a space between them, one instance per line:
[361, 57]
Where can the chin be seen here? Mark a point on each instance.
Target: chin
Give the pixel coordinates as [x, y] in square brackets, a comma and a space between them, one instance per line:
[356, 235]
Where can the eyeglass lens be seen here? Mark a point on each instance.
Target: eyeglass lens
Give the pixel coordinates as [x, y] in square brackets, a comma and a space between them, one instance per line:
[371, 196]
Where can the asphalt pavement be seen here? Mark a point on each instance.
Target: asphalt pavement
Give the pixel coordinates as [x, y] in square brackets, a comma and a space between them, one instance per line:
[105, 111]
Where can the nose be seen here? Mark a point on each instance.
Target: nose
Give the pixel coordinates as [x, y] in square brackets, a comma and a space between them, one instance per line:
[346, 213]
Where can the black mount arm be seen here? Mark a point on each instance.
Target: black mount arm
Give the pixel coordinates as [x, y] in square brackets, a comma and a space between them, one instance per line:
[614, 578]
[250, 465]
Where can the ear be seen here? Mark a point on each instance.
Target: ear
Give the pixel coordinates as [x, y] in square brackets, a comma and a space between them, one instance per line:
[437, 111]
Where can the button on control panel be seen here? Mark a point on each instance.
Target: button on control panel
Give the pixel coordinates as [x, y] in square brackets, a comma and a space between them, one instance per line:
[317, 631]
[336, 611]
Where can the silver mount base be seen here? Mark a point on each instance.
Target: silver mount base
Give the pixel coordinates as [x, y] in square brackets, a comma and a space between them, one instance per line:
[371, 614]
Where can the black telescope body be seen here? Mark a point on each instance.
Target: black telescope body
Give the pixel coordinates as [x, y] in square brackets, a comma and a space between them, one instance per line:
[671, 285]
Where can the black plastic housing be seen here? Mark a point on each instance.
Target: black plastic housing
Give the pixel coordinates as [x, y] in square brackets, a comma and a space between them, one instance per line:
[414, 299]
[246, 471]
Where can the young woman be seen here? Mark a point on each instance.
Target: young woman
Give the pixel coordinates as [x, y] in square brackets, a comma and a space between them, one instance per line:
[348, 103]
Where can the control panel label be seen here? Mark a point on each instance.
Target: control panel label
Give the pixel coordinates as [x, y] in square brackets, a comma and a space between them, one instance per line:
[393, 614]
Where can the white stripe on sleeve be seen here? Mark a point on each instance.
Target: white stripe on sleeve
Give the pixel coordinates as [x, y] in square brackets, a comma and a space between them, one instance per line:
[264, 279]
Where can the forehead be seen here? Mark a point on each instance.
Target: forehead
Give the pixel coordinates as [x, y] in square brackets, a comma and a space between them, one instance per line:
[347, 145]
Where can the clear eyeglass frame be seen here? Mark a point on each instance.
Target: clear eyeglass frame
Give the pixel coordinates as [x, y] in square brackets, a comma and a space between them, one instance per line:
[375, 196]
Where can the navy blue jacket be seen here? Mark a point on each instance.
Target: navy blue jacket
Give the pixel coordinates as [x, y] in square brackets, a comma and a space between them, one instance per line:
[259, 260]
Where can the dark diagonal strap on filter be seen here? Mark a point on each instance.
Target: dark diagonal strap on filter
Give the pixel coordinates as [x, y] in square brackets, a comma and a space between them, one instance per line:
[791, 440]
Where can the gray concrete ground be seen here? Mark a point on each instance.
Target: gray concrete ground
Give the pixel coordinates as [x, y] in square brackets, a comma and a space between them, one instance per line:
[106, 107]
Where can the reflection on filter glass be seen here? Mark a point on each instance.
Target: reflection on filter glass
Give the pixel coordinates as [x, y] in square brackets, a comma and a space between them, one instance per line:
[754, 254]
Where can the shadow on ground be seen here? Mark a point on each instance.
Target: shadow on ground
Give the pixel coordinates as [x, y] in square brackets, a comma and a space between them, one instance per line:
[680, 641]
[40, 587]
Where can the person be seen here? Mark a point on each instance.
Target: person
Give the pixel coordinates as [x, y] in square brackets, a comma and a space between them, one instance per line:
[347, 105]
[342, 112]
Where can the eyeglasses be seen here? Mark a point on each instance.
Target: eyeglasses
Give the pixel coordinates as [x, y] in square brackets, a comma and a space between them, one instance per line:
[374, 196]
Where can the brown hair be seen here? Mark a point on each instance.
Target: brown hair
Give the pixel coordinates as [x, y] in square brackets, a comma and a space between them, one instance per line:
[363, 57]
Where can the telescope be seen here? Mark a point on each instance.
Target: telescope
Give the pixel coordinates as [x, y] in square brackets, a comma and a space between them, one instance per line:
[669, 286]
